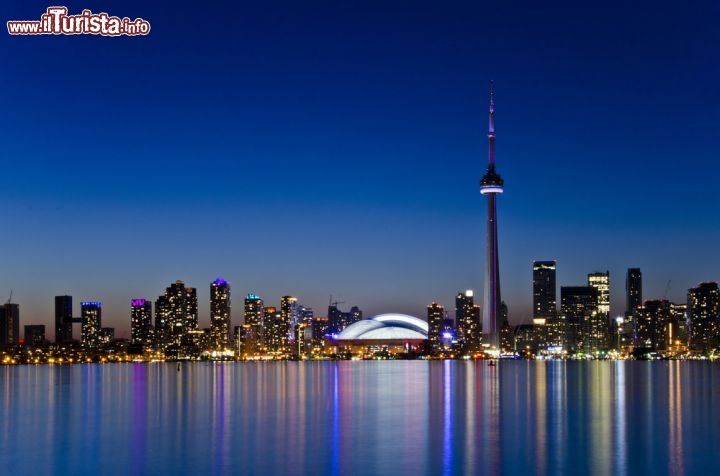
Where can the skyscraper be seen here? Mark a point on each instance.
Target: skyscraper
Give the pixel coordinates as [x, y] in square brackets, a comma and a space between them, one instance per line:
[252, 336]
[220, 313]
[435, 315]
[579, 309]
[547, 327]
[491, 184]
[91, 315]
[34, 335]
[162, 320]
[467, 319]
[9, 324]
[601, 322]
[63, 319]
[703, 310]
[179, 311]
[651, 324]
[633, 290]
[141, 330]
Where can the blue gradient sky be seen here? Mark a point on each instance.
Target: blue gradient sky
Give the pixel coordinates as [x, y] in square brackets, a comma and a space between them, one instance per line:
[317, 148]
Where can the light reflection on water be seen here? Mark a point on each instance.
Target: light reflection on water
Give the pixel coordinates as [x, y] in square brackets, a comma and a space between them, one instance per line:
[345, 418]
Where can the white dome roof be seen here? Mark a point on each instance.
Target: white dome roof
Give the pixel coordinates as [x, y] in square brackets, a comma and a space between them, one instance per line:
[386, 326]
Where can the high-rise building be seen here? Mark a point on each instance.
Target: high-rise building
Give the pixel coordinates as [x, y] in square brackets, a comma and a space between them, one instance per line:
[275, 330]
[601, 324]
[545, 322]
[435, 315]
[253, 338]
[491, 185]
[9, 324]
[180, 312]
[467, 319]
[220, 313]
[651, 324]
[703, 309]
[35, 335]
[162, 321]
[339, 320]
[141, 329]
[633, 290]
[290, 311]
[579, 309]
[63, 319]
[91, 315]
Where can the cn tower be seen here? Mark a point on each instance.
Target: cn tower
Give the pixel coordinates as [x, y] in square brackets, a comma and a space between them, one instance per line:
[491, 185]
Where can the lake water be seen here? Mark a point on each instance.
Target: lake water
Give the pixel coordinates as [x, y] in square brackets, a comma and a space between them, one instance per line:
[361, 418]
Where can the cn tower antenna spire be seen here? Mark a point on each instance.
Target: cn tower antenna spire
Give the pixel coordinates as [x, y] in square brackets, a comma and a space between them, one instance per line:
[491, 126]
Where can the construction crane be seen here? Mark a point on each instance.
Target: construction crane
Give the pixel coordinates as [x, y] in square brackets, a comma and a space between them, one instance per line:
[332, 303]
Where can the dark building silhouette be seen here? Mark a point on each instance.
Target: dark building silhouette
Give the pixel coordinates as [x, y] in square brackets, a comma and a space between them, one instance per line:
[339, 320]
[703, 310]
[9, 324]
[220, 313]
[35, 335]
[162, 319]
[63, 319]
[633, 290]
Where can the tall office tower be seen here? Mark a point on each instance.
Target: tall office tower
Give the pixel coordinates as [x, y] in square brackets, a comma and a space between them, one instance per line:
[9, 324]
[91, 315]
[162, 321]
[35, 335]
[547, 326]
[579, 309]
[633, 290]
[703, 309]
[435, 315]
[491, 185]
[63, 319]
[220, 313]
[275, 330]
[191, 309]
[141, 329]
[651, 324]
[181, 311]
[288, 317]
[678, 328]
[601, 282]
[467, 319]
[320, 328]
[253, 337]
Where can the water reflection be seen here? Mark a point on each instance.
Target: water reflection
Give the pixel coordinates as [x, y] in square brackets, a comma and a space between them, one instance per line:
[342, 418]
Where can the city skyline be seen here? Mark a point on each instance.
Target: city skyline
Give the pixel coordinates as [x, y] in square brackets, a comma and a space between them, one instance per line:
[289, 166]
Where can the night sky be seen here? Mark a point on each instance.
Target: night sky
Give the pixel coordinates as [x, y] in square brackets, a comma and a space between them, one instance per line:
[318, 148]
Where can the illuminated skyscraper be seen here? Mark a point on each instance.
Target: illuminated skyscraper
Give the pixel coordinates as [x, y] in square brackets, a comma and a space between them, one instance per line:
[600, 326]
[467, 319]
[141, 330]
[252, 336]
[63, 319]
[288, 317]
[178, 311]
[491, 185]
[275, 330]
[651, 324]
[703, 310]
[435, 315]
[579, 309]
[91, 315]
[162, 321]
[220, 313]
[546, 325]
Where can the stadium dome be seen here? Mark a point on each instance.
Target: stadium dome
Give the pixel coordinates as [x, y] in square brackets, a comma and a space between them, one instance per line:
[386, 328]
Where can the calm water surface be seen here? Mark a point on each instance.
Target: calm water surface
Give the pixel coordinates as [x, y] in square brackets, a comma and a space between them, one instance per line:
[347, 418]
